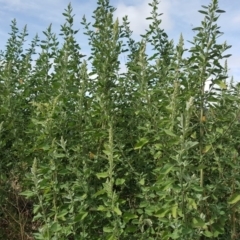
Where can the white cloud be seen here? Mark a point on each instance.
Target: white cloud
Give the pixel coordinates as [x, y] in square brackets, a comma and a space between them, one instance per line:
[179, 16]
[46, 11]
[17, 5]
[234, 67]
[236, 19]
[138, 13]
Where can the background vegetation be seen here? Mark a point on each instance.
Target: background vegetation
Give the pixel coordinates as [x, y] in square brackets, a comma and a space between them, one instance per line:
[144, 154]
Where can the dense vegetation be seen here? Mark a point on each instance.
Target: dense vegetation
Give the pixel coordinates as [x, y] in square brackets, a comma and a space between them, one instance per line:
[101, 154]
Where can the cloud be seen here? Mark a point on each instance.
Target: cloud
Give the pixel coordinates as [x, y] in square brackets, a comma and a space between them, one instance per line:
[234, 67]
[138, 13]
[44, 11]
[179, 16]
[236, 19]
[38, 15]
[18, 5]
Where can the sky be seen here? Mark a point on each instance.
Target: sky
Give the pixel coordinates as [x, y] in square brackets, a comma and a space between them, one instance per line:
[179, 16]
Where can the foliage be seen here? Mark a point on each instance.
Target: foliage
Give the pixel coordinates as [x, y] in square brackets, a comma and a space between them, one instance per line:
[144, 154]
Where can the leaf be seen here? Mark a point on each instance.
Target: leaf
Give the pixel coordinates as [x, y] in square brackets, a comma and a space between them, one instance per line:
[198, 223]
[131, 229]
[148, 222]
[234, 199]
[55, 227]
[1, 126]
[220, 11]
[45, 148]
[203, 12]
[197, 28]
[196, 187]
[84, 215]
[117, 211]
[161, 213]
[108, 153]
[108, 229]
[192, 203]
[100, 192]
[36, 217]
[174, 211]
[36, 208]
[166, 169]
[59, 155]
[142, 181]
[141, 143]
[227, 56]
[170, 133]
[27, 193]
[107, 148]
[153, 56]
[208, 234]
[102, 175]
[207, 148]
[62, 214]
[80, 216]
[221, 84]
[190, 144]
[102, 208]
[128, 216]
[120, 181]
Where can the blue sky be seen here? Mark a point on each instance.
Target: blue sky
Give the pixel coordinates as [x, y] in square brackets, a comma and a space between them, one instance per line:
[179, 16]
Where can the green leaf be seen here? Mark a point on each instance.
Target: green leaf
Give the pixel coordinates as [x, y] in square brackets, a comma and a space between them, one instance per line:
[102, 208]
[161, 213]
[208, 234]
[27, 193]
[100, 192]
[221, 84]
[190, 144]
[175, 234]
[117, 211]
[141, 143]
[207, 148]
[198, 223]
[45, 147]
[120, 181]
[59, 155]
[55, 227]
[197, 28]
[128, 216]
[197, 188]
[166, 169]
[131, 229]
[234, 199]
[192, 204]
[36, 208]
[220, 11]
[203, 12]
[38, 216]
[102, 175]
[142, 181]
[170, 133]
[80, 216]
[174, 211]
[84, 215]
[108, 229]
[227, 56]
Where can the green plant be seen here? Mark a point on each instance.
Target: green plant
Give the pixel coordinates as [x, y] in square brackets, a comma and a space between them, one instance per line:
[144, 154]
